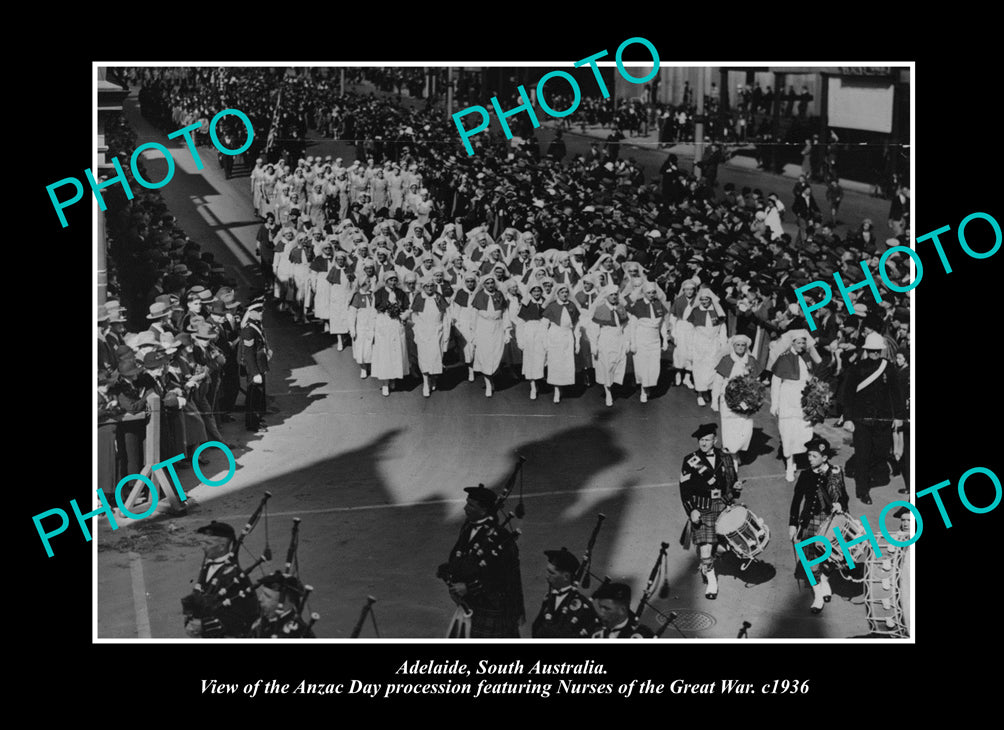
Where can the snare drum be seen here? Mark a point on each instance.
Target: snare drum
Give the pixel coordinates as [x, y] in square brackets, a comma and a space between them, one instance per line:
[850, 529]
[745, 533]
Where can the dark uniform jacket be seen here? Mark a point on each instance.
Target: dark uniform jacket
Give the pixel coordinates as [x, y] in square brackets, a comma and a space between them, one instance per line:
[254, 356]
[225, 602]
[700, 482]
[881, 399]
[283, 625]
[486, 559]
[572, 618]
[630, 629]
[814, 496]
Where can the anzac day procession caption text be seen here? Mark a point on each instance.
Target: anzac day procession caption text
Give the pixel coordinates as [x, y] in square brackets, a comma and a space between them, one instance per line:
[566, 681]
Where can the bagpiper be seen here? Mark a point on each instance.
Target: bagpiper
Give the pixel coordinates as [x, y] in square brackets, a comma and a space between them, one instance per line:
[565, 613]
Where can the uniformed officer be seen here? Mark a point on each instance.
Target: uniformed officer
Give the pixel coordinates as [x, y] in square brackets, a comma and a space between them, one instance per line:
[255, 354]
[223, 603]
[281, 599]
[613, 607]
[708, 483]
[819, 493]
[874, 407]
[565, 612]
[483, 570]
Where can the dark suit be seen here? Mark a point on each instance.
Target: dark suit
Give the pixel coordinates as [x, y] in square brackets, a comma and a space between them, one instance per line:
[254, 356]
[872, 408]
[486, 559]
[565, 614]
[225, 601]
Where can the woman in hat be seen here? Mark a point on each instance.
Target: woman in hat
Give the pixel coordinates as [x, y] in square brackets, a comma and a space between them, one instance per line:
[489, 329]
[610, 318]
[737, 430]
[586, 295]
[562, 339]
[790, 374]
[682, 331]
[649, 337]
[512, 355]
[463, 314]
[362, 321]
[318, 282]
[341, 285]
[431, 331]
[390, 349]
[532, 337]
[708, 337]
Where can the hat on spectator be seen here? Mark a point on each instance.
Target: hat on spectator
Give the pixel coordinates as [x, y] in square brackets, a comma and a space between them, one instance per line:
[158, 310]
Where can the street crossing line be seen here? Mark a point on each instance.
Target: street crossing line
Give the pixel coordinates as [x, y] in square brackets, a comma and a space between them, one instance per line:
[554, 493]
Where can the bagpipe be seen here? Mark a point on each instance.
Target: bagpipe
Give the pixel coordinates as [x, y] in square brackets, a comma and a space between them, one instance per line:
[465, 568]
[235, 609]
[583, 578]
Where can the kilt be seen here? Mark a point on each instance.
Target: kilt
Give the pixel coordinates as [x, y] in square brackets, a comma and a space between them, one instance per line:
[704, 533]
[488, 624]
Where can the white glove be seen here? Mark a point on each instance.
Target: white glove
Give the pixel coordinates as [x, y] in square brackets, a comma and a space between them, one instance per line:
[695, 516]
[256, 380]
[791, 532]
[182, 401]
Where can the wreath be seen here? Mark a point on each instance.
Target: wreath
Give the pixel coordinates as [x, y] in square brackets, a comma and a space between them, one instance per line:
[745, 395]
[393, 310]
[816, 400]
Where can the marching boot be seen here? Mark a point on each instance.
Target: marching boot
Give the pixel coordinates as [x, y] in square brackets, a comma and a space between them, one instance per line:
[789, 474]
[425, 386]
[644, 395]
[362, 373]
[557, 394]
[432, 382]
[679, 379]
[824, 587]
[341, 343]
[711, 592]
[688, 381]
[533, 390]
[488, 387]
[610, 397]
[470, 374]
[385, 389]
[818, 600]
[327, 327]
[700, 400]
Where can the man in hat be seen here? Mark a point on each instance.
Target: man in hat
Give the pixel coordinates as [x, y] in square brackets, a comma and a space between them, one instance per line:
[254, 354]
[483, 572]
[565, 612]
[223, 603]
[281, 600]
[874, 406]
[613, 607]
[819, 493]
[708, 483]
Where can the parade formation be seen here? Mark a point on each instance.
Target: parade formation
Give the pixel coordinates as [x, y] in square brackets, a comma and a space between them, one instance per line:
[506, 271]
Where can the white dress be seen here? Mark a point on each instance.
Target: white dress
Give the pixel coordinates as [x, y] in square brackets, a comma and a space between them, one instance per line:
[390, 350]
[489, 338]
[431, 337]
[561, 350]
[611, 353]
[707, 340]
[737, 430]
[363, 320]
[533, 341]
[339, 296]
[795, 431]
[647, 347]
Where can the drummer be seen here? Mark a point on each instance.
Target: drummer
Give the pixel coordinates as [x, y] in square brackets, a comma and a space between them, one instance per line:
[708, 484]
[819, 493]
